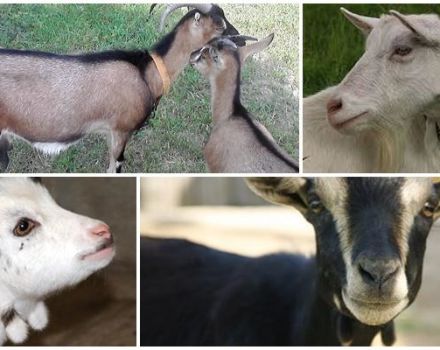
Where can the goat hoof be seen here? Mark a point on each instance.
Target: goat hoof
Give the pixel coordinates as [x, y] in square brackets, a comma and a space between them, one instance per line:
[17, 330]
[38, 319]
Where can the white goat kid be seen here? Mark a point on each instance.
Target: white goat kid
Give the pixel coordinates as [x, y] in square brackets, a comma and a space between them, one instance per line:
[382, 116]
[43, 248]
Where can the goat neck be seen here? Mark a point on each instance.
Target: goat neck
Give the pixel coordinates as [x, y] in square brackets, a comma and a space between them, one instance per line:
[225, 94]
[175, 59]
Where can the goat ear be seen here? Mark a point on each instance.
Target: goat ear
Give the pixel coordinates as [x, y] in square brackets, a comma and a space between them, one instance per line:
[248, 50]
[281, 190]
[364, 23]
[213, 52]
[412, 26]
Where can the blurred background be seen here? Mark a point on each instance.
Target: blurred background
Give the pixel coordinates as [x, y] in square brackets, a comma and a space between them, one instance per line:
[332, 45]
[101, 310]
[224, 214]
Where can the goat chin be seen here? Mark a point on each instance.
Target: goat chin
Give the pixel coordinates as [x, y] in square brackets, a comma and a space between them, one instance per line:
[372, 315]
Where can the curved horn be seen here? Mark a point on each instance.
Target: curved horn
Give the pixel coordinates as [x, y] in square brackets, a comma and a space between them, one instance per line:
[232, 40]
[243, 37]
[203, 8]
[152, 8]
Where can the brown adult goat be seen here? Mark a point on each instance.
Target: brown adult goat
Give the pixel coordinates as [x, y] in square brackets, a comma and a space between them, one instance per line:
[51, 100]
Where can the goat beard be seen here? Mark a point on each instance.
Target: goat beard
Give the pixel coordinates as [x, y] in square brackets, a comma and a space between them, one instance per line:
[388, 149]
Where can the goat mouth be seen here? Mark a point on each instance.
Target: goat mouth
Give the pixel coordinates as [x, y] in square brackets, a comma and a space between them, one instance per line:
[375, 303]
[373, 312]
[102, 251]
[346, 123]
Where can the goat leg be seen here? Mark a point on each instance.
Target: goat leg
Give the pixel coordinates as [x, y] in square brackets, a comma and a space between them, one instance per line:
[33, 312]
[3, 337]
[17, 330]
[5, 146]
[118, 141]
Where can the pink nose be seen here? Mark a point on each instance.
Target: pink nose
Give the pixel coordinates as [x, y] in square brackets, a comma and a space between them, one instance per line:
[102, 230]
[334, 105]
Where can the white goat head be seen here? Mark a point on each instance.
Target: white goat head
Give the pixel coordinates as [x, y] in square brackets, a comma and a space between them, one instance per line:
[43, 248]
[395, 79]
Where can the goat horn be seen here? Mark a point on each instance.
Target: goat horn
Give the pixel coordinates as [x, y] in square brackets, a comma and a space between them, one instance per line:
[152, 8]
[203, 8]
[244, 37]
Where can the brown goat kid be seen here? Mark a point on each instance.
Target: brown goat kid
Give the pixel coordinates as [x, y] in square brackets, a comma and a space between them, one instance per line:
[238, 143]
[51, 100]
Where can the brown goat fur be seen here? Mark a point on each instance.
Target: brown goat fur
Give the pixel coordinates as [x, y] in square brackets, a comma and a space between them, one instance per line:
[51, 100]
[238, 143]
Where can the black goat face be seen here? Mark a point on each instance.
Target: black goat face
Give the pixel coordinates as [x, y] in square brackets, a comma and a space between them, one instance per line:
[218, 16]
[370, 236]
[205, 26]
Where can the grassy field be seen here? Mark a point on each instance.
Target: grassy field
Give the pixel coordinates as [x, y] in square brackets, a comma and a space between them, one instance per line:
[174, 138]
[332, 44]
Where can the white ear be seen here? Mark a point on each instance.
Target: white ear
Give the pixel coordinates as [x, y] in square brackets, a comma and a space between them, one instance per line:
[248, 50]
[414, 27]
[364, 23]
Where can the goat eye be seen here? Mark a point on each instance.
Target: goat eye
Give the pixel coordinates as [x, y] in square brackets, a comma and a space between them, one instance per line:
[316, 205]
[402, 51]
[24, 227]
[428, 210]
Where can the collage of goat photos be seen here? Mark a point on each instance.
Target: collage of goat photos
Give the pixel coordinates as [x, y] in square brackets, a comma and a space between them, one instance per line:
[229, 174]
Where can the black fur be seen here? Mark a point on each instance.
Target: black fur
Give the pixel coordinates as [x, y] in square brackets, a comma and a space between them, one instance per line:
[381, 218]
[138, 58]
[8, 316]
[194, 295]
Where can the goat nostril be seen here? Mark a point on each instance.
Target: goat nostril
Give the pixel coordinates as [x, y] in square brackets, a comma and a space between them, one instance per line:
[366, 275]
[101, 230]
[334, 105]
[389, 274]
[375, 272]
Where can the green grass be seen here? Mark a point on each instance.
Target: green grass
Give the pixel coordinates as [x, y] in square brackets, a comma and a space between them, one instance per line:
[332, 45]
[174, 139]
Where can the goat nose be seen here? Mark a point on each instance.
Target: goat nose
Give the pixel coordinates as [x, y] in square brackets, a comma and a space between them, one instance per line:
[101, 230]
[376, 271]
[334, 105]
